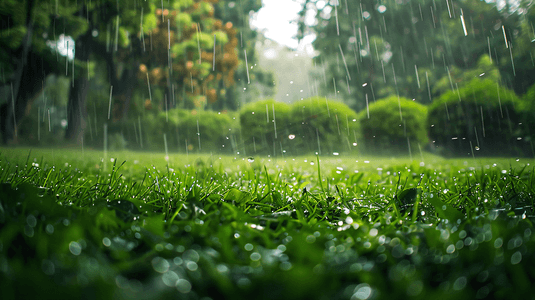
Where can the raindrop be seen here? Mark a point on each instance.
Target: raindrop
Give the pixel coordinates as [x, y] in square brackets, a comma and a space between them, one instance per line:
[160, 265]
[516, 258]
[183, 286]
[362, 291]
[75, 248]
[192, 266]
[255, 256]
[48, 267]
[170, 278]
[285, 266]
[460, 283]
[49, 229]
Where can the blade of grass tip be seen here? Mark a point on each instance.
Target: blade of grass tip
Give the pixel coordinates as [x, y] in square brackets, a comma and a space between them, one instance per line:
[177, 211]
[268, 184]
[112, 174]
[5, 174]
[257, 178]
[319, 176]
[532, 181]
[47, 177]
[339, 192]
[28, 157]
[415, 209]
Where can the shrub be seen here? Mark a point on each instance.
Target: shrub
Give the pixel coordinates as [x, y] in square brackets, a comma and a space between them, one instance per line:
[264, 126]
[155, 125]
[394, 124]
[206, 131]
[117, 142]
[35, 129]
[182, 129]
[331, 124]
[482, 115]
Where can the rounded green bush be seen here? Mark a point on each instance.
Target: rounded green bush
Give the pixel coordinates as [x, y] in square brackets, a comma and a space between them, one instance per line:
[264, 125]
[323, 126]
[184, 128]
[482, 118]
[393, 125]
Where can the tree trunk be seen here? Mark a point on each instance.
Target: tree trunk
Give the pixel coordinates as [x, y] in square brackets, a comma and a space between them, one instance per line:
[123, 83]
[76, 108]
[11, 111]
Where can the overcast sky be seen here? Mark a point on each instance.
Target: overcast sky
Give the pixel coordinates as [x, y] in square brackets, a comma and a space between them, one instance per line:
[277, 19]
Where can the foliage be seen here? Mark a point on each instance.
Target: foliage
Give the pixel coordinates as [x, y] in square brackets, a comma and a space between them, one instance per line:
[28, 53]
[323, 126]
[187, 131]
[402, 47]
[257, 82]
[394, 126]
[458, 77]
[181, 56]
[265, 127]
[44, 121]
[482, 118]
[207, 131]
[222, 228]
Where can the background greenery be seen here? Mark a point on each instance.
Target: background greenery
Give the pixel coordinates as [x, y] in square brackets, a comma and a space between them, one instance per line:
[129, 64]
[393, 125]
[107, 225]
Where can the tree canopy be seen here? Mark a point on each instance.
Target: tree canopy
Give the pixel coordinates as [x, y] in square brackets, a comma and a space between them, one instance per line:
[416, 48]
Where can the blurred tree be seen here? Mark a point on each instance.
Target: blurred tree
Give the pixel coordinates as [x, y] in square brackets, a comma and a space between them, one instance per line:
[484, 69]
[27, 29]
[112, 28]
[182, 56]
[259, 82]
[405, 47]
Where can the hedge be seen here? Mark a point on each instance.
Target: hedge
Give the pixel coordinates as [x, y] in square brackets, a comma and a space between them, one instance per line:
[482, 118]
[391, 125]
[180, 129]
[264, 127]
[323, 126]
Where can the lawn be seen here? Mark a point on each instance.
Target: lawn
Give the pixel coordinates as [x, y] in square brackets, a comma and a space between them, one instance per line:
[91, 225]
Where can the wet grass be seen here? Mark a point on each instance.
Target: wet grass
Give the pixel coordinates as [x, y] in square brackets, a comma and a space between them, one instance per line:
[137, 225]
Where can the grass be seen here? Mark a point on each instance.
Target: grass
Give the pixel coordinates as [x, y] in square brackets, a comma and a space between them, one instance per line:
[135, 225]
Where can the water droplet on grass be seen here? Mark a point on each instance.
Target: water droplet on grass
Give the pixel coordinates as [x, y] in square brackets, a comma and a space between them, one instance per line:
[255, 256]
[362, 291]
[183, 286]
[285, 266]
[160, 265]
[75, 248]
[516, 258]
[49, 229]
[192, 266]
[48, 267]
[170, 278]
[460, 283]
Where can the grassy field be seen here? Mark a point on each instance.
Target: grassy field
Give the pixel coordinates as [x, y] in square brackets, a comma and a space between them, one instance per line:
[133, 225]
